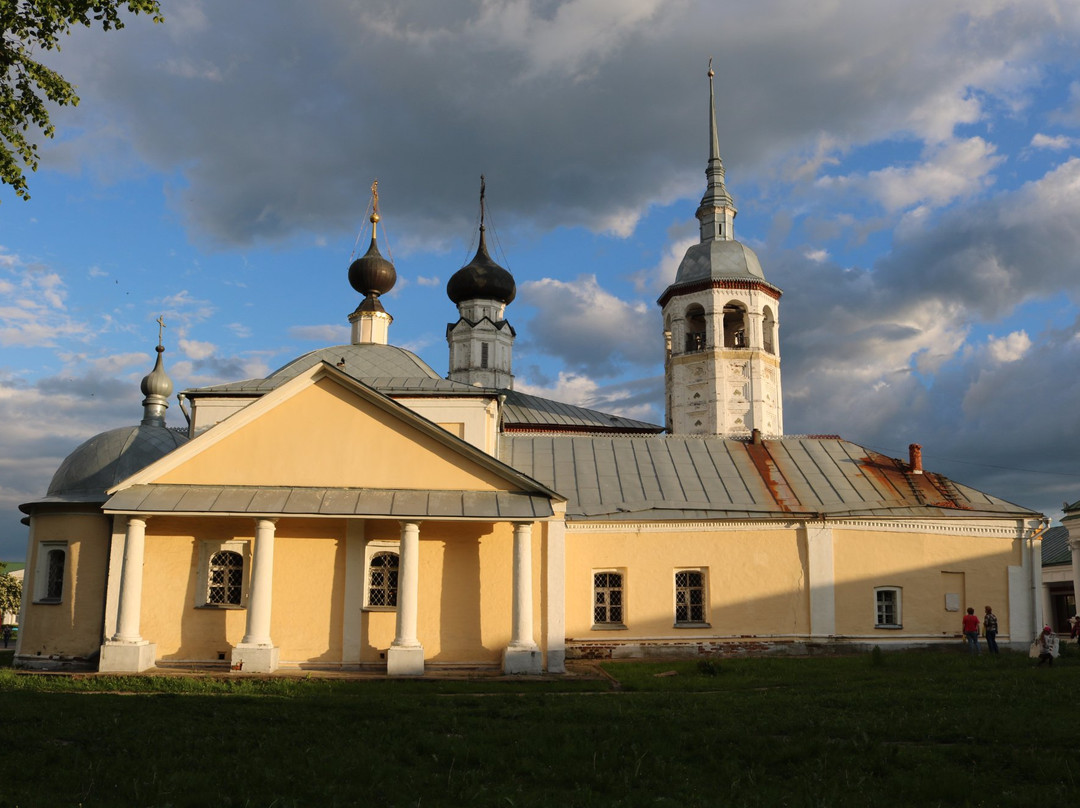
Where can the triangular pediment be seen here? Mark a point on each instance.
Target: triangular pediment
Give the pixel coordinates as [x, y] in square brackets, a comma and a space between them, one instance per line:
[324, 429]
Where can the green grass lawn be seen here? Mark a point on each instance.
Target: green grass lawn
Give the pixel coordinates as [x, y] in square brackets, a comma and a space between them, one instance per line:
[904, 729]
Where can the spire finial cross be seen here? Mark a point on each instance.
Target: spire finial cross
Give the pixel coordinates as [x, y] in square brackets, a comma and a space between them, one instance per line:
[711, 74]
[483, 191]
[161, 328]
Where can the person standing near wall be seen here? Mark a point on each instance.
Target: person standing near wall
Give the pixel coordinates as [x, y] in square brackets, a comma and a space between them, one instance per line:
[990, 628]
[971, 630]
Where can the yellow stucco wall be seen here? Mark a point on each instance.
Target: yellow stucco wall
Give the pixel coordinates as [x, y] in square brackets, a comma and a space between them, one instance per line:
[754, 581]
[463, 611]
[328, 436]
[916, 562]
[466, 592]
[73, 627]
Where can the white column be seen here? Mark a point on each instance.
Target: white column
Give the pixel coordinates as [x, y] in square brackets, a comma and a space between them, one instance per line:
[405, 657]
[126, 651]
[131, 575]
[260, 597]
[522, 655]
[256, 652]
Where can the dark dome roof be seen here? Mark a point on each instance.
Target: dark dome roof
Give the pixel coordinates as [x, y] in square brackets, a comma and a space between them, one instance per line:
[371, 274]
[106, 459]
[481, 279]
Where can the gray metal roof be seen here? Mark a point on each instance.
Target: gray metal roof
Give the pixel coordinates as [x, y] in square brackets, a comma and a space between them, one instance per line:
[718, 259]
[522, 412]
[106, 459]
[366, 502]
[1055, 546]
[384, 367]
[682, 477]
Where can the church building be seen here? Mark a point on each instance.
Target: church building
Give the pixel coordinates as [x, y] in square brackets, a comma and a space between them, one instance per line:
[358, 509]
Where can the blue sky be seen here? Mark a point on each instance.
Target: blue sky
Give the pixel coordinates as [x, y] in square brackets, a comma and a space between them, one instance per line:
[907, 173]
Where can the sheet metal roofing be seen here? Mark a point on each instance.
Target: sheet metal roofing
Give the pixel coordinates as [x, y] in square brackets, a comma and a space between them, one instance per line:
[522, 412]
[1055, 546]
[367, 502]
[385, 367]
[690, 478]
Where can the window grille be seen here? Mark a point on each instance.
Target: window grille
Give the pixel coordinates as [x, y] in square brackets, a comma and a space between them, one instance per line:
[383, 580]
[608, 597]
[689, 597]
[225, 579]
[54, 575]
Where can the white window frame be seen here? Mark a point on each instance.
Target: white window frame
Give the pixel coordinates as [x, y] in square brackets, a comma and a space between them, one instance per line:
[704, 573]
[207, 549]
[41, 572]
[898, 606]
[372, 549]
[613, 625]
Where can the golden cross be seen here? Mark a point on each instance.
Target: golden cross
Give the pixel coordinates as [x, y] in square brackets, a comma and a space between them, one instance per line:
[161, 325]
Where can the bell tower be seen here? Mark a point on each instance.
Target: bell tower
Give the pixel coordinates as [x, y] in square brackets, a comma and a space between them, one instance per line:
[721, 325]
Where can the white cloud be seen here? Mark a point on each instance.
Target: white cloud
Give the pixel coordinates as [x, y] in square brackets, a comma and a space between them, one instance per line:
[954, 170]
[1009, 348]
[194, 349]
[1052, 142]
[589, 328]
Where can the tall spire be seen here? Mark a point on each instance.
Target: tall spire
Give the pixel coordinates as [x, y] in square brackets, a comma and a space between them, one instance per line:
[717, 209]
[156, 386]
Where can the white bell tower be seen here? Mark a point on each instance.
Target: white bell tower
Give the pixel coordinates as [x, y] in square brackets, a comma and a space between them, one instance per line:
[721, 325]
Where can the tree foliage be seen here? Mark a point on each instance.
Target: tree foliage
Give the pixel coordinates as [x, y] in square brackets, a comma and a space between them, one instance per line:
[10, 594]
[26, 85]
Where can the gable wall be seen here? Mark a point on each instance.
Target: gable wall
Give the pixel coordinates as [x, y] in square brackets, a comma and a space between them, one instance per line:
[327, 436]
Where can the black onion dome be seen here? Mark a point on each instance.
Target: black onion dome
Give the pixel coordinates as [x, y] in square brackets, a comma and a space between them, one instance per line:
[481, 279]
[371, 274]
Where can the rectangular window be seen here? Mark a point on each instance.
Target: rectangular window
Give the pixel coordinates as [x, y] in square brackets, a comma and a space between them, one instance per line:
[887, 605]
[607, 599]
[690, 597]
[50, 572]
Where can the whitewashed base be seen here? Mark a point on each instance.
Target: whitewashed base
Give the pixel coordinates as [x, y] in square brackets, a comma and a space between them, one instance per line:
[254, 659]
[526, 660]
[405, 660]
[127, 657]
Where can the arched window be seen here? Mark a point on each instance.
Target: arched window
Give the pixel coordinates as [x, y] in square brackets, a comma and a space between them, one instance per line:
[225, 579]
[735, 331]
[49, 572]
[383, 580]
[768, 328]
[695, 329]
